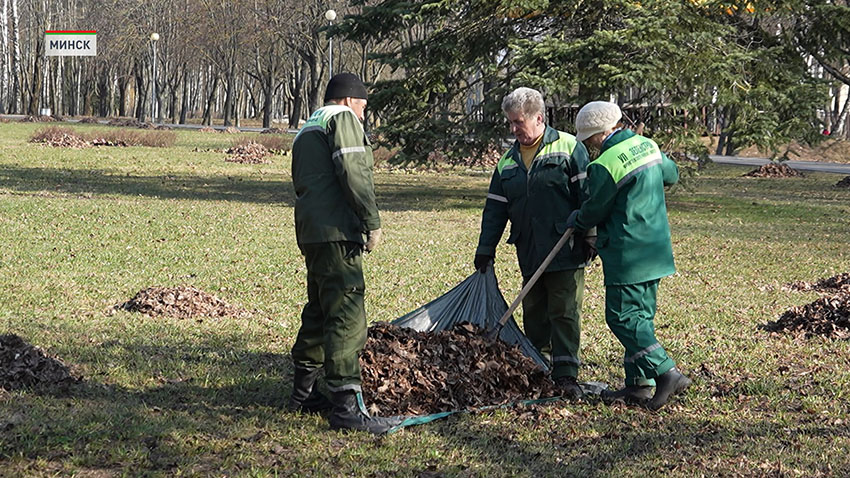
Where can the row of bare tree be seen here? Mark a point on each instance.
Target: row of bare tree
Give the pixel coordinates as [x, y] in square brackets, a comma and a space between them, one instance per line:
[215, 59]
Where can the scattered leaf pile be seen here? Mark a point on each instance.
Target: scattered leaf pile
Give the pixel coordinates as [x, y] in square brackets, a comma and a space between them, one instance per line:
[59, 137]
[844, 183]
[181, 302]
[827, 317]
[249, 153]
[273, 131]
[126, 122]
[39, 119]
[774, 170]
[207, 129]
[413, 373]
[88, 120]
[25, 366]
[837, 283]
[231, 130]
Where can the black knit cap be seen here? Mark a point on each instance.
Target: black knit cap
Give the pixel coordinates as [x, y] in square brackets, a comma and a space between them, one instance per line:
[345, 85]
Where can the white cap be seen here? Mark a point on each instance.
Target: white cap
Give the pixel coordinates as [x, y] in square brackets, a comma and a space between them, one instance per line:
[596, 117]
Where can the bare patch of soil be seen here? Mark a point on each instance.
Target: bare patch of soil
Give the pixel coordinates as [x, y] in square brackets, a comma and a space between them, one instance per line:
[182, 302]
[412, 373]
[25, 366]
[249, 153]
[827, 317]
[774, 170]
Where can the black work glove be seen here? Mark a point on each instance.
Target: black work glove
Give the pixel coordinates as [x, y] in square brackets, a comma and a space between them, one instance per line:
[589, 248]
[482, 262]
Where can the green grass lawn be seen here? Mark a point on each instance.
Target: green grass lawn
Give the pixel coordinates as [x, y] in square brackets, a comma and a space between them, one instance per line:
[83, 230]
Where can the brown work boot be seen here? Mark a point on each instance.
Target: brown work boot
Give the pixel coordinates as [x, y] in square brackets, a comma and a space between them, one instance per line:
[569, 387]
[631, 395]
[667, 385]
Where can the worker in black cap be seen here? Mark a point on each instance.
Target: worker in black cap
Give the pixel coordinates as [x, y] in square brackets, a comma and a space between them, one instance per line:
[336, 218]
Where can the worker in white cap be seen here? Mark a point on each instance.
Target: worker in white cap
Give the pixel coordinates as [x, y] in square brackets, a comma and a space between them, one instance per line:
[627, 206]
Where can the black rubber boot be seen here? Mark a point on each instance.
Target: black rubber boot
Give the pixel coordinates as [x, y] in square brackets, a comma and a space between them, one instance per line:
[349, 413]
[632, 395]
[667, 385]
[304, 398]
[569, 387]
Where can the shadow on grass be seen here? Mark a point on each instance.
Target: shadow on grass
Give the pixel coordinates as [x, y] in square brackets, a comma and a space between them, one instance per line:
[680, 444]
[158, 428]
[438, 192]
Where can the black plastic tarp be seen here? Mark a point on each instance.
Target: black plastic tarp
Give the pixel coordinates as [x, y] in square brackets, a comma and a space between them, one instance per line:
[476, 300]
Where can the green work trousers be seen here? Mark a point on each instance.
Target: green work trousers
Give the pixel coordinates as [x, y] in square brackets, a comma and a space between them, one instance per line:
[333, 323]
[629, 312]
[551, 317]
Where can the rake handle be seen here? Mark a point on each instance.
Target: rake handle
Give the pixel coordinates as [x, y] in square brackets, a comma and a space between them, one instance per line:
[528, 285]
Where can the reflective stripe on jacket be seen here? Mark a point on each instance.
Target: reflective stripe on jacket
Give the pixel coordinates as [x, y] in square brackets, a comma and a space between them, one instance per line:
[537, 202]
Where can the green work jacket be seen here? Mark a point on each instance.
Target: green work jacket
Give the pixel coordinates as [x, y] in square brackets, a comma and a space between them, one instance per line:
[537, 202]
[332, 175]
[627, 205]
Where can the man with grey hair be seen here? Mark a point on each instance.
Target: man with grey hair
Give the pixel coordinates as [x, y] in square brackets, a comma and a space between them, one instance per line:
[537, 184]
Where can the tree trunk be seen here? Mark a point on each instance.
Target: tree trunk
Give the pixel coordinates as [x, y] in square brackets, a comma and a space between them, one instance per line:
[297, 99]
[268, 99]
[15, 67]
[141, 90]
[184, 101]
[122, 95]
[208, 107]
[4, 55]
[230, 90]
[34, 101]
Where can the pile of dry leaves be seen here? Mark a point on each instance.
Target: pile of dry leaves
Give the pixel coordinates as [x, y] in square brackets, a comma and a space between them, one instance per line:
[25, 366]
[413, 373]
[827, 317]
[249, 153]
[61, 138]
[126, 123]
[774, 170]
[836, 283]
[181, 302]
[844, 183]
[273, 131]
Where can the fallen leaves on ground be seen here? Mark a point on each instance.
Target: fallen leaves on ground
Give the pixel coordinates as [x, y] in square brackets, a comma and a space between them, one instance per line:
[182, 302]
[25, 366]
[774, 170]
[836, 283]
[406, 372]
[249, 153]
[827, 317]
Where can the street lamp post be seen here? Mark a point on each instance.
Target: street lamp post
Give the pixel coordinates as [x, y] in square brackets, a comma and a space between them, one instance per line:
[330, 16]
[154, 112]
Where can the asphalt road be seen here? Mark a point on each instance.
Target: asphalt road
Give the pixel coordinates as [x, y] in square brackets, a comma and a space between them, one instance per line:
[816, 166]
